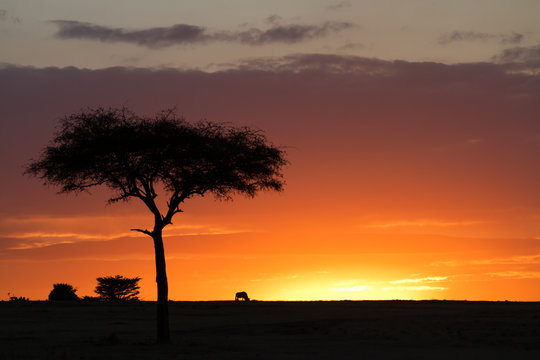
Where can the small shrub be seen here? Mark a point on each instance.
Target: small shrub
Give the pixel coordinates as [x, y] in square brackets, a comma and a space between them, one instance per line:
[63, 292]
[118, 288]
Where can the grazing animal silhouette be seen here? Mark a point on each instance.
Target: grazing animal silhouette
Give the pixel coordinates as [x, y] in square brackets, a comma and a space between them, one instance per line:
[242, 295]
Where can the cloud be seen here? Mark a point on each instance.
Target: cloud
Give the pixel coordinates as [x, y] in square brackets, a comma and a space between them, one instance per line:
[514, 38]
[38, 232]
[288, 33]
[457, 36]
[350, 286]
[154, 37]
[185, 245]
[276, 278]
[346, 4]
[428, 279]
[421, 223]
[516, 274]
[323, 63]
[520, 57]
[5, 17]
[520, 54]
[75, 236]
[44, 239]
[512, 260]
[273, 19]
[414, 288]
[399, 285]
[184, 34]
[521, 260]
[351, 46]
[355, 288]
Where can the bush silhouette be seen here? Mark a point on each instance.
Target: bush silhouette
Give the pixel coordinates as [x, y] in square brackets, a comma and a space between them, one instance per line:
[115, 288]
[63, 292]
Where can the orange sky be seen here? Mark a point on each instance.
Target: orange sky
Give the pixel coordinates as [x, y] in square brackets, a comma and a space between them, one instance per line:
[407, 180]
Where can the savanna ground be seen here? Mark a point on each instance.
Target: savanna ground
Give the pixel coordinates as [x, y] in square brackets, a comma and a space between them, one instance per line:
[273, 330]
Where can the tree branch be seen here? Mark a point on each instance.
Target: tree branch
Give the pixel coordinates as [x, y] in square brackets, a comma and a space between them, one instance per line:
[174, 205]
[143, 231]
[148, 186]
[148, 196]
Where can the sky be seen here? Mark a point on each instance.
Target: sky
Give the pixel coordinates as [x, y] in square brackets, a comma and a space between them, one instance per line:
[412, 129]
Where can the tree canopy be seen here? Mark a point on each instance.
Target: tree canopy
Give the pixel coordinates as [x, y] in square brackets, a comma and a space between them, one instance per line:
[130, 154]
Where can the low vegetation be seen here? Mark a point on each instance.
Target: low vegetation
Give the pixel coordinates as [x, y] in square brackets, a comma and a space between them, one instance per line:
[118, 288]
[63, 292]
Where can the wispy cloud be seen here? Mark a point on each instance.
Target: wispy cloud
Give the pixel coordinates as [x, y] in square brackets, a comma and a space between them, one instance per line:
[428, 279]
[276, 278]
[351, 286]
[75, 236]
[414, 288]
[153, 37]
[38, 240]
[6, 17]
[421, 223]
[408, 284]
[185, 34]
[288, 33]
[516, 274]
[325, 63]
[273, 19]
[39, 244]
[417, 284]
[355, 288]
[78, 229]
[528, 57]
[460, 36]
[533, 259]
[512, 260]
[351, 46]
[346, 4]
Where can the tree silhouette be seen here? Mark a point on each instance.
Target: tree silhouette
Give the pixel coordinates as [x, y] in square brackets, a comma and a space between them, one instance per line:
[62, 292]
[135, 156]
[118, 288]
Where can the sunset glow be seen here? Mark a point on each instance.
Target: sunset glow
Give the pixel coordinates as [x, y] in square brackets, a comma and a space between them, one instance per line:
[413, 141]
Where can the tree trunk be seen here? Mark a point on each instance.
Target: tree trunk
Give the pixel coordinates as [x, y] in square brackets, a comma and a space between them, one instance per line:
[163, 335]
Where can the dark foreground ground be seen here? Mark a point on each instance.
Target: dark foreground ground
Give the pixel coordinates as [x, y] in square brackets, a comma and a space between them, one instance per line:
[273, 330]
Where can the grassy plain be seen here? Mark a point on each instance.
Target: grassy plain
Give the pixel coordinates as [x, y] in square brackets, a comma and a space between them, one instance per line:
[273, 330]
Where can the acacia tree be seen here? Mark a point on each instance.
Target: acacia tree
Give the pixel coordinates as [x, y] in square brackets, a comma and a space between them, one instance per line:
[118, 288]
[135, 156]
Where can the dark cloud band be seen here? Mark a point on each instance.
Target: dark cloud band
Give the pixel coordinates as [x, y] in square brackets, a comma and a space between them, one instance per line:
[471, 131]
[521, 58]
[456, 36]
[183, 34]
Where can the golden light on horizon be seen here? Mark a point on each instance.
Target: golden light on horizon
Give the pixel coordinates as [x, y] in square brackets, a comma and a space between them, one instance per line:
[377, 290]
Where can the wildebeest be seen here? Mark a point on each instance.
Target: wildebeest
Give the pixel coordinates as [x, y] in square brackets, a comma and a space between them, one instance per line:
[242, 295]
